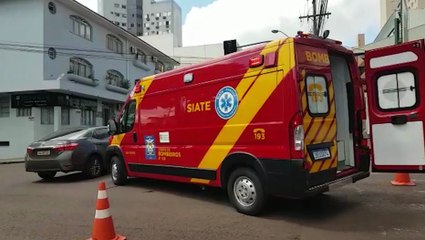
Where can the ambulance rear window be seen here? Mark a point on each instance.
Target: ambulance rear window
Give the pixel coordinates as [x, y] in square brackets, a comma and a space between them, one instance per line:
[396, 91]
[317, 95]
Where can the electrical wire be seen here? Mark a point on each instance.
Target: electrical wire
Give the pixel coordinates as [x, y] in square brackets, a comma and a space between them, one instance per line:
[69, 51]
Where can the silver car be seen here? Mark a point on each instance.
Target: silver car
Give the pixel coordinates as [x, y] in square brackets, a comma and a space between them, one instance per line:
[76, 149]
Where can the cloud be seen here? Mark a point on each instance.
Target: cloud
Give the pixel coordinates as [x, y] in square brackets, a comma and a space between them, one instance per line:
[251, 21]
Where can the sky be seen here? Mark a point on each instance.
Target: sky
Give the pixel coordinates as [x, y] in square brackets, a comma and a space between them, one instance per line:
[250, 21]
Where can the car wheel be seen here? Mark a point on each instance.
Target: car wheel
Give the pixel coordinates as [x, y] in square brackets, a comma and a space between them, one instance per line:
[47, 175]
[246, 192]
[93, 167]
[118, 172]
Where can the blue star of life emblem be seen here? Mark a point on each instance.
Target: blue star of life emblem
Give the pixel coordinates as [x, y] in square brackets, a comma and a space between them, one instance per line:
[226, 102]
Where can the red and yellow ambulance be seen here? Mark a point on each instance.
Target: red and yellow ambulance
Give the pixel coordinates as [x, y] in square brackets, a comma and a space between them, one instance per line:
[284, 118]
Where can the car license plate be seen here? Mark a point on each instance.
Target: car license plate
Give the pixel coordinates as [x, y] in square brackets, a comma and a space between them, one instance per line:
[43, 153]
[320, 154]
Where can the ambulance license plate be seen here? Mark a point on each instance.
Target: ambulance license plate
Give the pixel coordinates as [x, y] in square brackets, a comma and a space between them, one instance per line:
[43, 153]
[322, 153]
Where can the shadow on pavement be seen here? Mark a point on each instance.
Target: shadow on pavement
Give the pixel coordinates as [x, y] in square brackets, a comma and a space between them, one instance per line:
[68, 178]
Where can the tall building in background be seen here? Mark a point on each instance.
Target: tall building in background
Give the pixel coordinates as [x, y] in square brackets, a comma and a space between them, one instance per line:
[145, 17]
[389, 6]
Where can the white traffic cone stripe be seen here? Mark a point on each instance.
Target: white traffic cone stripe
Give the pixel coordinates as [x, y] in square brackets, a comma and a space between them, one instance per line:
[101, 194]
[101, 214]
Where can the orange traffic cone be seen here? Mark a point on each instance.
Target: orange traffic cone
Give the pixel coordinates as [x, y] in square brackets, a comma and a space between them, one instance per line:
[103, 226]
[402, 179]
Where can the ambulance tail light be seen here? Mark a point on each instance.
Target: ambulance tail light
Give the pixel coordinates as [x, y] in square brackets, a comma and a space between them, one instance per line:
[297, 137]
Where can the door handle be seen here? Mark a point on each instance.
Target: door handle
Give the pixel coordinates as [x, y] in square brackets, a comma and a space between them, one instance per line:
[135, 137]
[399, 119]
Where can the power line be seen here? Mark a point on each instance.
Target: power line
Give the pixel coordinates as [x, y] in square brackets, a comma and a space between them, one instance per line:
[67, 51]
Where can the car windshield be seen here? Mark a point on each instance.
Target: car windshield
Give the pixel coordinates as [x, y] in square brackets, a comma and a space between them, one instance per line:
[63, 134]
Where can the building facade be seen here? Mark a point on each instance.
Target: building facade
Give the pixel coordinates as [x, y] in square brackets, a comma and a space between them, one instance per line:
[62, 65]
[412, 20]
[387, 7]
[145, 17]
[188, 55]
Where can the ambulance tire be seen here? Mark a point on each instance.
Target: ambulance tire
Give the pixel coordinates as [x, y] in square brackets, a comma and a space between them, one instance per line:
[246, 192]
[118, 172]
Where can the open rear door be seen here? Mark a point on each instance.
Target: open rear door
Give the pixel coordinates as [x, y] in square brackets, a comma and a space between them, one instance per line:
[395, 78]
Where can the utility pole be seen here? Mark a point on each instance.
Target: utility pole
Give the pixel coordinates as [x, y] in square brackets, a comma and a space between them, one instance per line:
[401, 27]
[318, 17]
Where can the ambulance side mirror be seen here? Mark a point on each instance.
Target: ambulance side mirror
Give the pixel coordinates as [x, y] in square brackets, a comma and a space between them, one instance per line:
[112, 127]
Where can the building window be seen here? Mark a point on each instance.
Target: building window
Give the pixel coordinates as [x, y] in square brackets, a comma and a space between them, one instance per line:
[4, 107]
[52, 7]
[132, 25]
[124, 7]
[81, 67]
[23, 112]
[47, 115]
[51, 52]
[114, 77]
[124, 15]
[81, 27]
[117, 14]
[159, 66]
[124, 24]
[117, 5]
[114, 44]
[65, 116]
[88, 117]
[141, 56]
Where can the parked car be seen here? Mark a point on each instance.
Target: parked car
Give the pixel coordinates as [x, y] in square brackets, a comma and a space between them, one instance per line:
[66, 150]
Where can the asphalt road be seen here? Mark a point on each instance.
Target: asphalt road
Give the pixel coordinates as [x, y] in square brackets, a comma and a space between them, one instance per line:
[64, 208]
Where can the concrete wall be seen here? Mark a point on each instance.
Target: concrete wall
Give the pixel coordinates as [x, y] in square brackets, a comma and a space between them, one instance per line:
[19, 132]
[21, 67]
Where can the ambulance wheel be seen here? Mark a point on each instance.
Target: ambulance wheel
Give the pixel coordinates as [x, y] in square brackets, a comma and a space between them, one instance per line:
[118, 172]
[246, 192]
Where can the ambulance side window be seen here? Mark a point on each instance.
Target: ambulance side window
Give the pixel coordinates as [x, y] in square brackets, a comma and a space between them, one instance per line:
[128, 117]
[317, 95]
[396, 91]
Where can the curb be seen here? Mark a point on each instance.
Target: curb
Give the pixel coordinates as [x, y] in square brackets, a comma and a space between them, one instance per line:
[11, 162]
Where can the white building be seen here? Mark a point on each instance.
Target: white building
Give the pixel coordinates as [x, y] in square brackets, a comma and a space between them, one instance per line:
[388, 7]
[63, 65]
[185, 55]
[413, 20]
[127, 14]
[145, 17]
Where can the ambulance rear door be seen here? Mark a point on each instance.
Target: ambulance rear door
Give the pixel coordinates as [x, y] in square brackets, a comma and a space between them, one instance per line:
[395, 78]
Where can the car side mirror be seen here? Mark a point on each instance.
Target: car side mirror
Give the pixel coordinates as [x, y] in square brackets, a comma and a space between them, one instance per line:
[112, 127]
